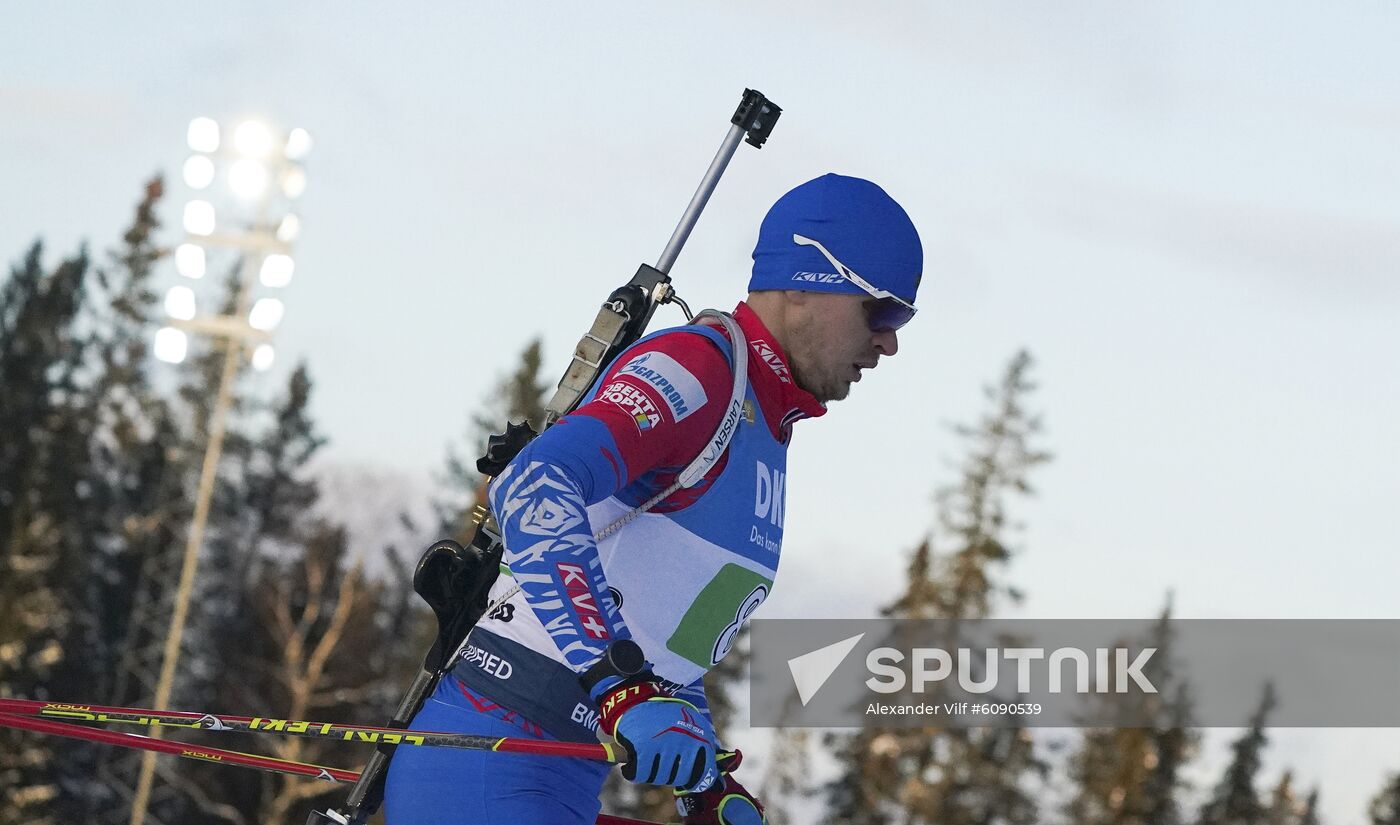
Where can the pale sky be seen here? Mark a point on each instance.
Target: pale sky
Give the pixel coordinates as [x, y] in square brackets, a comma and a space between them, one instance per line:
[1188, 212]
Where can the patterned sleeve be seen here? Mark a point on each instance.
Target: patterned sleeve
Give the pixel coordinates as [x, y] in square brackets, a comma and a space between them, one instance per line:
[659, 405]
[694, 693]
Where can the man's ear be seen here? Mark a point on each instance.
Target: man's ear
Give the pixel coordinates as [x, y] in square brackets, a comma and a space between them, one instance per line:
[797, 297]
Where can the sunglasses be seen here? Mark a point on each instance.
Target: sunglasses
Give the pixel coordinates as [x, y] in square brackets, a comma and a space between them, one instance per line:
[885, 311]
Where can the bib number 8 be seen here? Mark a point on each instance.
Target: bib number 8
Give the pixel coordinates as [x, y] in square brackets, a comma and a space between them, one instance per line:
[726, 639]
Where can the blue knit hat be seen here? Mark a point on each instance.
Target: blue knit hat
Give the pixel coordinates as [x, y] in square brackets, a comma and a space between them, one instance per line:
[856, 221]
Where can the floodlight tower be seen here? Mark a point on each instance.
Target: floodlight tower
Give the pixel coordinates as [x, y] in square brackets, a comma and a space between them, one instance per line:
[263, 170]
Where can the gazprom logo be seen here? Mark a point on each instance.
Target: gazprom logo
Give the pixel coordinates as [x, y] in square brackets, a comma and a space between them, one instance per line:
[768, 494]
[679, 389]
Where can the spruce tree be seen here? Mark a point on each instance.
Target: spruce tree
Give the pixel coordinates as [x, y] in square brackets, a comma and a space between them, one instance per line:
[1173, 743]
[1284, 807]
[1129, 773]
[135, 479]
[134, 486]
[1235, 800]
[1311, 815]
[103, 434]
[956, 776]
[42, 506]
[1385, 806]
[1110, 771]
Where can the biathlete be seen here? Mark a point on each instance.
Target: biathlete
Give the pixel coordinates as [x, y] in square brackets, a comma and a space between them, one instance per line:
[625, 585]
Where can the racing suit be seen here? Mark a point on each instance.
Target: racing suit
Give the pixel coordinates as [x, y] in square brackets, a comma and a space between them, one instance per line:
[680, 579]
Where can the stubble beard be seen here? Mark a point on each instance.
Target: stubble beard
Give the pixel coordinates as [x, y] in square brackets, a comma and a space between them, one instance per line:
[824, 388]
[825, 391]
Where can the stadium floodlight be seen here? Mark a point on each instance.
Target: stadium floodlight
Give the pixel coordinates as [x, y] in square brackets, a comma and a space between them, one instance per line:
[276, 271]
[262, 167]
[199, 217]
[266, 314]
[248, 178]
[298, 144]
[198, 171]
[253, 139]
[189, 260]
[179, 303]
[171, 345]
[203, 135]
[289, 228]
[293, 181]
[263, 356]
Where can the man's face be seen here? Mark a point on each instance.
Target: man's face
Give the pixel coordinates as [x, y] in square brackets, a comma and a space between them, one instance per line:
[831, 343]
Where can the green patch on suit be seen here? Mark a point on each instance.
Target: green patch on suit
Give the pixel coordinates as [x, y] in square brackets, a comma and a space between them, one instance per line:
[707, 629]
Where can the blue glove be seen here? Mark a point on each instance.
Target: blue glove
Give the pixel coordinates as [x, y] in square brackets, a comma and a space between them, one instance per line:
[725, 803]
[668, 740]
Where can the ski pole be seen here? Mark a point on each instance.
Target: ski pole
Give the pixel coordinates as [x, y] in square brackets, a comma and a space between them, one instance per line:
[220, 756]
[293, 727]
[207, 754]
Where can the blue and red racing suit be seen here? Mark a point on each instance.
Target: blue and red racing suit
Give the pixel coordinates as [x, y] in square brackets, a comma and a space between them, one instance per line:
[680, 579]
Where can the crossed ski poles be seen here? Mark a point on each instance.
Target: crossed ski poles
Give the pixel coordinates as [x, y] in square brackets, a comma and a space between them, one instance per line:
[39, 717]
[292, 727]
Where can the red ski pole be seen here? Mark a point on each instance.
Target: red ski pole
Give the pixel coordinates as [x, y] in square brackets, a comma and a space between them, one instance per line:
[71, 712]
[220, 756]
[207, 754]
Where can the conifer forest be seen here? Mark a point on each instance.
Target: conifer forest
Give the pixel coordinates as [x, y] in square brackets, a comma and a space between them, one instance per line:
[100, 461]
